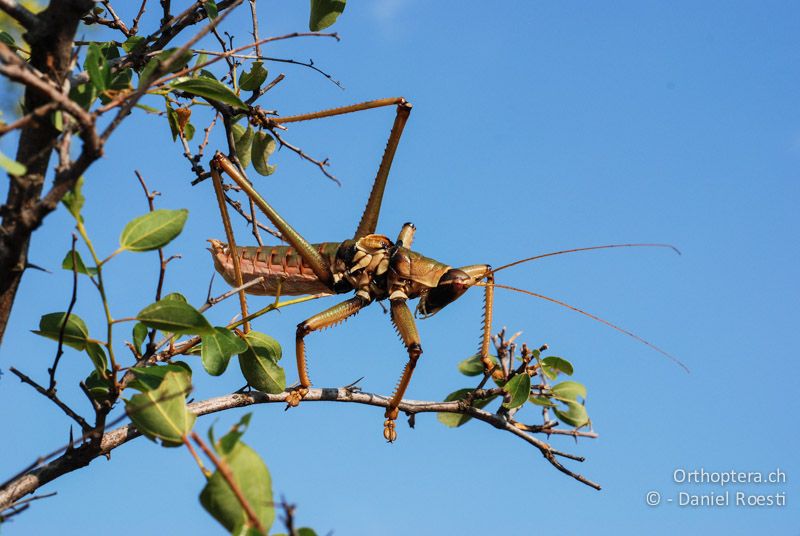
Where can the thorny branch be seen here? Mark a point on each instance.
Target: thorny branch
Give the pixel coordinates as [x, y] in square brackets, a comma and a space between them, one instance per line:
[73, 299]
[51, 394]
[47, 472]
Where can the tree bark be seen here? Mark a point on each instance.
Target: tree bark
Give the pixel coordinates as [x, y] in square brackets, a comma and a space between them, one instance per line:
[51, 43]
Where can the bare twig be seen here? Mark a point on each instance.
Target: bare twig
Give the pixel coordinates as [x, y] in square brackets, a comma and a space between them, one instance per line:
[38, 113]
[254, 18]
[321, 164]
[187, 70]
[137, 18]
[20, 506]
[237, 206]
[258, 56]
[54, 398]
[60, 351]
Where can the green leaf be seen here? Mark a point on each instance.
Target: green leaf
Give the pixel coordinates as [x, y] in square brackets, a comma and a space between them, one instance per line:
[519, 387]
[217, 349]
[242, 142]
[263, 147]
[259, 363]
[97, 67]
[98, 385]
[150, 377]
[58, 120]
[305, 531]
[555, 365]
[211, 9]
[149, 109]
[80, 267]
[205, 73]
[569, 390]
[574, 416]
[200, 60]
[541, 401]
[130, 44]
[153, 230]
[209, 89]
[177, 296]
[84, 94]
[161, 413]
[324, 13]
[172, 121]
[98, 357]
[454, 420]
[473, 366]
[139, 334]
[12, 166]
[174, 316]
[252, 478]
[153, 66]
[74, 199]
[251, 80]
[75, 332]
[229, 440]
[7, 38]
[121, 80]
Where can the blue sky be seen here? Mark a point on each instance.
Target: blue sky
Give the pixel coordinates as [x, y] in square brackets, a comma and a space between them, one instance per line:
[536, 127]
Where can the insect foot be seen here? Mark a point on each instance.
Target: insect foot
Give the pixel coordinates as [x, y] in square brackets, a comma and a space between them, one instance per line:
[389, 432]
[295, 396]
[389, 425]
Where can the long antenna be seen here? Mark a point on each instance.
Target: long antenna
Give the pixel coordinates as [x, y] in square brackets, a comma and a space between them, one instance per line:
[595, 317]
[590, 248]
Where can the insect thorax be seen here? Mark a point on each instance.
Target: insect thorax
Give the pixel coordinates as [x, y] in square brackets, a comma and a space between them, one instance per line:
[377, 269]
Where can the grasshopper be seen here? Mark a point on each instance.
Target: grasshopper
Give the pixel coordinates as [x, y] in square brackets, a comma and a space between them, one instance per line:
[370, 264]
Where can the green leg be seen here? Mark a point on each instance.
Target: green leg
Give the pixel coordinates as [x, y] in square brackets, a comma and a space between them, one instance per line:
[369, 220]
[404, 322]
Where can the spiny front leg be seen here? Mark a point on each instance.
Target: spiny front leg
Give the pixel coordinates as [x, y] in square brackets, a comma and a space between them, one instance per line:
[489, 365]
[404, 322]
[325, 319]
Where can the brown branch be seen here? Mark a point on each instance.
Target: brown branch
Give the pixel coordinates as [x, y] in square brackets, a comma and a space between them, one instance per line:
[254, 17]
[37, 114]
[21, 14]
[115, 22]
[42, 474]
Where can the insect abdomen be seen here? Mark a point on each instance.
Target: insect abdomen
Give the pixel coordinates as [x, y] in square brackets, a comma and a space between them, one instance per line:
[283, 269]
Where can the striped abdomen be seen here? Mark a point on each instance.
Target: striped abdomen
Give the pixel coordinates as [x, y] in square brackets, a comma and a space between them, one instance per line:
[283, 269]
